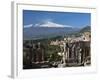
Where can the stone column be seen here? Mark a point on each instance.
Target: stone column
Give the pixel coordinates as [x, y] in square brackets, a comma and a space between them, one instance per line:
[43, 55]
[64, 53]
[73, 52]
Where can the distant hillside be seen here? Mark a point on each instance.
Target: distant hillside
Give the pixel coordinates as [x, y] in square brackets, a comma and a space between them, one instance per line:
[34, 33]
[85, 29]
[45, 32]
[82, 30]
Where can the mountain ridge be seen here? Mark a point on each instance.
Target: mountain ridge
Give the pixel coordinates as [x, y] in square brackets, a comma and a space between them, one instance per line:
[43, 32]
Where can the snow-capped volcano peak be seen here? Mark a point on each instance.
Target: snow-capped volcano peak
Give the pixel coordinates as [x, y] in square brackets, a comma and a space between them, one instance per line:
[50, 24]
[47, 24]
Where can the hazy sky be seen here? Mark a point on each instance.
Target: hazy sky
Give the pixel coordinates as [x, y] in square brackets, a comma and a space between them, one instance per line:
[73, 19]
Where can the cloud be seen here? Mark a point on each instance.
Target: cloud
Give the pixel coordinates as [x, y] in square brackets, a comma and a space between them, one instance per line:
[27, 26]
